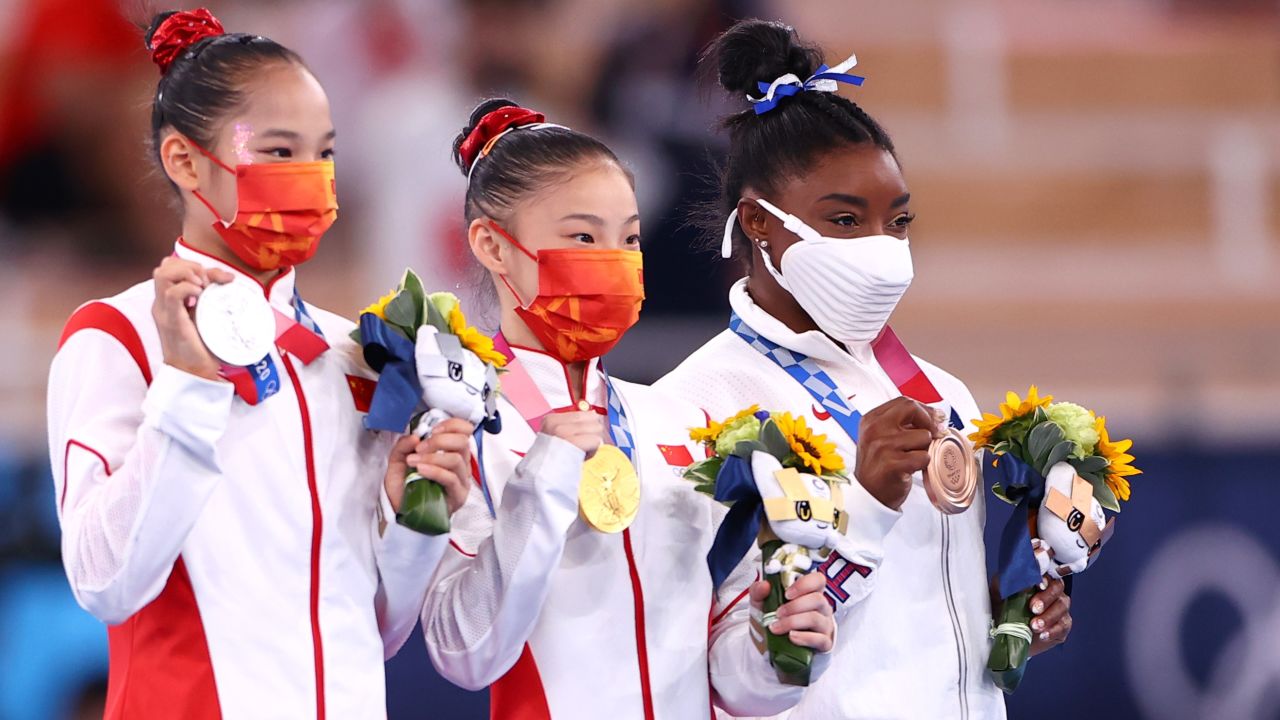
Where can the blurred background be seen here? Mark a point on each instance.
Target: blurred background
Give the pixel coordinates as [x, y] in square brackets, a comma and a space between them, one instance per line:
[1098, 191]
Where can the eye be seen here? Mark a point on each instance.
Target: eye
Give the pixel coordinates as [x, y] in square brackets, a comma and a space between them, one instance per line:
[903, 220]
[632, 241]
[279, 152]
[584, 238]
[327, 154]
[845, 220]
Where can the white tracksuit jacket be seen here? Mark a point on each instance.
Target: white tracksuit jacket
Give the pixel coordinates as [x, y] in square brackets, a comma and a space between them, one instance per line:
[569, 623]
[915, 643]
[235, 550]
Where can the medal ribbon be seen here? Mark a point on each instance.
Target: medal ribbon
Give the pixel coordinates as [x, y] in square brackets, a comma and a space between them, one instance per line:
[300, 336]
[519, 388]
[889, 352]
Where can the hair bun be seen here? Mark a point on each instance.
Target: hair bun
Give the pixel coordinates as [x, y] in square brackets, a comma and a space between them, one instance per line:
[760, 51]
[490, 119]
[173, 32]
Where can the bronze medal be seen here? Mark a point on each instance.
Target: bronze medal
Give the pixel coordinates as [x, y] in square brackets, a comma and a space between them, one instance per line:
[609, 492]
[951, 479]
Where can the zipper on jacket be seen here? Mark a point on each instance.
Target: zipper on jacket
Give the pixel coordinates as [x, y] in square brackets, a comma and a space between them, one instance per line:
[957, 629]
[316, 528]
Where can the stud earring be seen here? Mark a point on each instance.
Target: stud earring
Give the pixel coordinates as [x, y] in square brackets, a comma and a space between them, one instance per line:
[762, 243]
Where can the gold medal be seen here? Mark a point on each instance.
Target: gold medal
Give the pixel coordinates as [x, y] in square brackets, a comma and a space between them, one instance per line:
[609, 493]
[951, 479]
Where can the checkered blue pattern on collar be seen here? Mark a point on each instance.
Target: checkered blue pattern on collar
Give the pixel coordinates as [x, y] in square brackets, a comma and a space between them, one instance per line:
[619, 426]
[804, 370]
[303, 316]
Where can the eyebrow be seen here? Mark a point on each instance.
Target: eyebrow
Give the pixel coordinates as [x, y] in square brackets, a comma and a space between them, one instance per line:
[861, 202]
[596, 219]
[291, 135]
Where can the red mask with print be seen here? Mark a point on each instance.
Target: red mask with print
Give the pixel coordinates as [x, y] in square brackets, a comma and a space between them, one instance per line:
[587, 298]
[282, 210]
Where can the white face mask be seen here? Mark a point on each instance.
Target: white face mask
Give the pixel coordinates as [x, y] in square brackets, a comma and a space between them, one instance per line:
[849, 286]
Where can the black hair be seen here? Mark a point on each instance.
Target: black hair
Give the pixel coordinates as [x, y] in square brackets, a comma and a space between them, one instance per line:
[205, 82]
[523, 162]
[789, 139]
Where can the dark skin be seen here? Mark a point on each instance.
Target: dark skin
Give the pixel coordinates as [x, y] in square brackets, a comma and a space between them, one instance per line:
[852, 192]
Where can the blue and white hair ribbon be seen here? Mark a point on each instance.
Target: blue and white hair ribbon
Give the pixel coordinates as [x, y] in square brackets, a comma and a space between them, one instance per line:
[825, 79]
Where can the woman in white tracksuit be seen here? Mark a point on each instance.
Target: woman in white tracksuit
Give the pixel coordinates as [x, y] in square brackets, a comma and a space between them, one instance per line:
[569, 590]
[817, 205]
[234, 526]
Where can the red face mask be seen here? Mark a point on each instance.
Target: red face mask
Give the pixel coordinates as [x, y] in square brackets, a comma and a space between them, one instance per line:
[586, 298]
[282, 210]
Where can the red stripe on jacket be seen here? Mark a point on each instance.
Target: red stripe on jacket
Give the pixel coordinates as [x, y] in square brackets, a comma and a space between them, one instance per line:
[159, 657]
[519, 695]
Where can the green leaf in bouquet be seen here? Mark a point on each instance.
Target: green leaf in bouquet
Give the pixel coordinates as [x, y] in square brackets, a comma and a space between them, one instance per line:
[413, 284]
[773, 441]
[998, 490]
[355, 336]
[402, 313]
[1107, 499]
[746, 447]
[705, 488]
[1060, 453]
[1091, 464]
[704, 471]
[434, 317]
[1041, 442]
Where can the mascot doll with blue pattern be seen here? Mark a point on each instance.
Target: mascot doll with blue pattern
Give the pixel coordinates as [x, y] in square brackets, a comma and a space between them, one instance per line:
[432, 366]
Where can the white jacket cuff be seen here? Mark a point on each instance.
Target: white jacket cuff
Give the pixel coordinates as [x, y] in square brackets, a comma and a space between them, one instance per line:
[189, 409]
[869, 522]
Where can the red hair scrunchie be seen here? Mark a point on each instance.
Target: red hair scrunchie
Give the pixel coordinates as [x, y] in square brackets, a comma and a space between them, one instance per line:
[491, 126]
[180, 31]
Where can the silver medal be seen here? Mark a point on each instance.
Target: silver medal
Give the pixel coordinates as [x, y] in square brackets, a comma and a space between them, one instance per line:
[236, 323]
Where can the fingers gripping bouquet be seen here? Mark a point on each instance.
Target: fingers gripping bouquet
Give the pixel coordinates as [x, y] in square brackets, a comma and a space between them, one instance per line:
[1057, 464]
[433, 366]
[783, 485]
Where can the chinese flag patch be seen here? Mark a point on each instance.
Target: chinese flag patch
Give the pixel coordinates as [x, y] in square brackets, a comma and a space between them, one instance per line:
[677, 455]
[361, 391]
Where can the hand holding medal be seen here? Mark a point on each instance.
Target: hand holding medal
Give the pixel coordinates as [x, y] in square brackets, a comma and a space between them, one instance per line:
[179, 286]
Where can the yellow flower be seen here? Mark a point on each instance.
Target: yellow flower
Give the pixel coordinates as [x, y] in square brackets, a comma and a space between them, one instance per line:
[379, 308]
[1012, 408]
[815, 451]
[474, 340]
[1117, 453]
[709, 434]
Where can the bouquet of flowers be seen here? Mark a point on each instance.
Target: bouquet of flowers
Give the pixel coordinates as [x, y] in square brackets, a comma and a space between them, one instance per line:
[783, 485]
[1057, 464]
[432, 365]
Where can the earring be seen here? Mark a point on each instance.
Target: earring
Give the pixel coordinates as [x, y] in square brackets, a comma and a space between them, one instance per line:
[763, 244]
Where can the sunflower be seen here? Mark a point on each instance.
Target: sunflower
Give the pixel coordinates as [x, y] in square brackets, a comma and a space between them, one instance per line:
[1117, 453]
[814, 451]
[474, 340]
[711, 433]
[379, 308]
[1012, 408]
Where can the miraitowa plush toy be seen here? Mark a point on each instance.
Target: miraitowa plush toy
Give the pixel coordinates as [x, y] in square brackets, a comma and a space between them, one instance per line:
[433, 366]
[784, 486]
